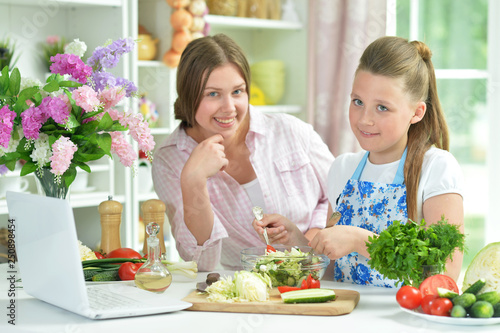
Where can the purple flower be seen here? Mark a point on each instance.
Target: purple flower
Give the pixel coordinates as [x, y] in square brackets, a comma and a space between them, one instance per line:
[70, 64]
[103, 80]
[108, 56]
[6, 124]
[3, 169]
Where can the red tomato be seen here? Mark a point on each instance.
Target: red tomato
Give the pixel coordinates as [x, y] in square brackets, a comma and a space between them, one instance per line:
[426, 304]
[98, 255]
[124, 252]
[429, 286]
[127, 270]
[270, 248]
[441, 307]
[409, 297]
[284, 289]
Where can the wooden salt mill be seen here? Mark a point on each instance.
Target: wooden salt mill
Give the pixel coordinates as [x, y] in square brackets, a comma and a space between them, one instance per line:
[111, 216]
[153, 211]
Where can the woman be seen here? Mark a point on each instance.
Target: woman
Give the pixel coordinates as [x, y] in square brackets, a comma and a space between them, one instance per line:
[226, 157]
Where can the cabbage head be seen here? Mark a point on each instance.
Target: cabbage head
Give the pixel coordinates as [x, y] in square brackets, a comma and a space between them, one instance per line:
[486, 264]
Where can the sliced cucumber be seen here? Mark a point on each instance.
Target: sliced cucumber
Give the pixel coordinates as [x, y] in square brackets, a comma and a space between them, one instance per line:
[476, 286]
[450, 294]
[316, 295]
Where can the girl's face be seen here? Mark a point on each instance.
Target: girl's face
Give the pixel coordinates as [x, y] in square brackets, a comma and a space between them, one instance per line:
[380, 114]
[224, 105]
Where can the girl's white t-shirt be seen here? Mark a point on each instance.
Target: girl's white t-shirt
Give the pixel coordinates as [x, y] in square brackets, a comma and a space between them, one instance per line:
[441, 174]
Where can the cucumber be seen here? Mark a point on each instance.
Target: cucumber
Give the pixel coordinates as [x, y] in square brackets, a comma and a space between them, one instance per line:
[106, 276]
[458, 311]
[316, 295]
[481, 309]
[476, 286]
[492, 297]
[89, 273]
[445, 293]
[465, 300]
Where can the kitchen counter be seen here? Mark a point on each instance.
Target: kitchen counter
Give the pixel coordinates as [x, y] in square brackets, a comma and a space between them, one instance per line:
[377, 311]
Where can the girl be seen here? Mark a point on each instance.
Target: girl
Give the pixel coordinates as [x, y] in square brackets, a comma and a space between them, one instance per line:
[406, 171]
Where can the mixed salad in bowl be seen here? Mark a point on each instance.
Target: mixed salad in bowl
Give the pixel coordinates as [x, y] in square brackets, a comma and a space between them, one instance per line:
[286, 266]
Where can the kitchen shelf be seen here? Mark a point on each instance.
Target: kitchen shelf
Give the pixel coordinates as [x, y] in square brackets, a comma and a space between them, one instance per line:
[250, 23]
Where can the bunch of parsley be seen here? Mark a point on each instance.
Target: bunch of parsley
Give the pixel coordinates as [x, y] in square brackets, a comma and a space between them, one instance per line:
[400, 251]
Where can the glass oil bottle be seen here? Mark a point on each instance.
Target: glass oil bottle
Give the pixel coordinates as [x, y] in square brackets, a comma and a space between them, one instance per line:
[153, 275]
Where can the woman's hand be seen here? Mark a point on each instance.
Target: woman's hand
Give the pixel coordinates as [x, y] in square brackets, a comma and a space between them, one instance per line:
[340, 240]
[280, 230]
[206, 159]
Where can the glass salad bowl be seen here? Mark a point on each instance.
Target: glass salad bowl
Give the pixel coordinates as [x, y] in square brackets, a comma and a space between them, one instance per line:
[288, 266]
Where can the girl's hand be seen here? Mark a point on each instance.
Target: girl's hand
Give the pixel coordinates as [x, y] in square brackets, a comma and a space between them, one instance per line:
[340, 240]
[280, 230]
[207, 158]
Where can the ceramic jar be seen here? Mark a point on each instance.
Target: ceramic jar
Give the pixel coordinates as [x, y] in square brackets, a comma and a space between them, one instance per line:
[147, 47]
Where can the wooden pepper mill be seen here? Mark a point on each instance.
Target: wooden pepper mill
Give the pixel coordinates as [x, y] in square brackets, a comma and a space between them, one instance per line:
[154, 211]
[111, 216]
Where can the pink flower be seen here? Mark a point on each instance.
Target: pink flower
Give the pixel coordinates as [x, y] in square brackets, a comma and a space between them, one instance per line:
[70, 64]
[56, 108]
[111, 96]
[54, 39]
[138, 128]
[86, 98]
[62, 154]
[32, 120]
[122, 148]
[6, 124]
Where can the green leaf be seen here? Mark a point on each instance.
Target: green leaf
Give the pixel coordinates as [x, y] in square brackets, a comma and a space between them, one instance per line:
[117, 127]
[51, 86]
[104, 142]
[11, 165]
[72, 122]
[91, 156]
[28, 168]
[4, 81]
[26, 94]
[70, 84]
[70, 175]
[105, 123]
[82, 166]
[15, 82]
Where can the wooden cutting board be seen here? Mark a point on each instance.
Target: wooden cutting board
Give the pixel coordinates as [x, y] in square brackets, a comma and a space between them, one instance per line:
[344, 303]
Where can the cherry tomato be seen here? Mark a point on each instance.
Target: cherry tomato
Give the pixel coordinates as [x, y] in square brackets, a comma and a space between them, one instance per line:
[409, 297]
[127, 270]
[426, 304]
[124, 252]
[429, 286]
[441, 307]
[98, 255]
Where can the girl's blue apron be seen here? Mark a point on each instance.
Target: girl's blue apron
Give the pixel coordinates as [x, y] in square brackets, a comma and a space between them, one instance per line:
[371, 206]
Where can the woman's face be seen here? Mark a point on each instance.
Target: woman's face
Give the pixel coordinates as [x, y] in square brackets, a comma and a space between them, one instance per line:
[224, 104]
[380, 115]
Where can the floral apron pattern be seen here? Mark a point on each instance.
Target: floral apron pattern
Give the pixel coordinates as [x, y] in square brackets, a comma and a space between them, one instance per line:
[371, 206]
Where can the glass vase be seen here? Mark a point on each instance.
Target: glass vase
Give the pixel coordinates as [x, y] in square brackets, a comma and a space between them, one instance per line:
[46, 185]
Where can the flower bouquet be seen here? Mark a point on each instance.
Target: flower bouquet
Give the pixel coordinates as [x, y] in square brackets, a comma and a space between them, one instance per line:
[72, 119]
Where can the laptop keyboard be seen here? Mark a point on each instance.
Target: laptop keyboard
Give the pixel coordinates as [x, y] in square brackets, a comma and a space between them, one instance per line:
[102, 299]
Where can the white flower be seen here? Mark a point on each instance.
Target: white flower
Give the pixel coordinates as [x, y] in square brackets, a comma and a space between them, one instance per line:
[76, 47]
[41, 152]
[27, 82]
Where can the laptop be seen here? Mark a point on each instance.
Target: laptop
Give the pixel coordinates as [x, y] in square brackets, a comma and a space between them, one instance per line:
[51, 270]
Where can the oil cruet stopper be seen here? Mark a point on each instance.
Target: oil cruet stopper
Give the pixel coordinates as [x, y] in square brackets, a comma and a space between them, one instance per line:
[153, 275]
